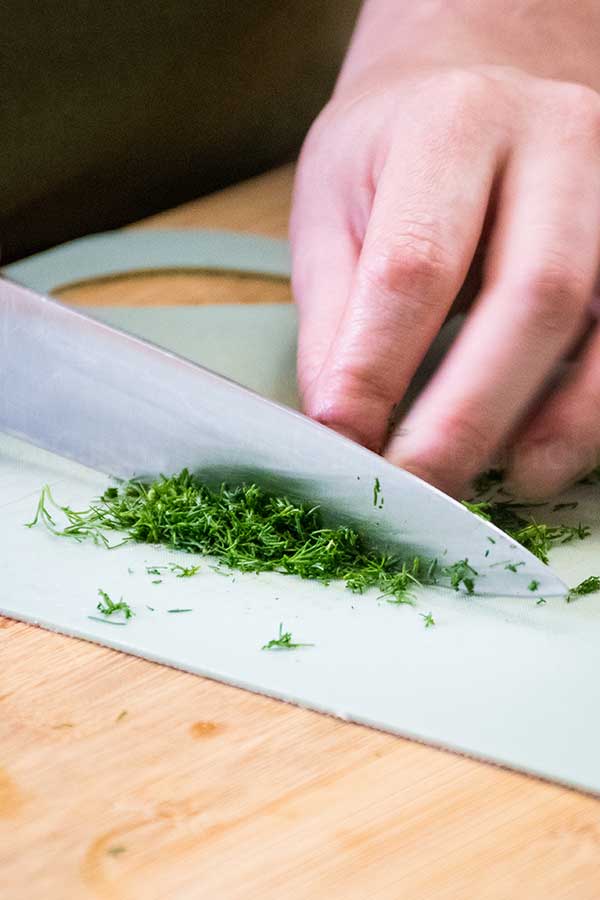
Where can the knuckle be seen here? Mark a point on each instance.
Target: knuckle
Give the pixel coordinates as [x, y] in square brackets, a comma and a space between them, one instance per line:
[415, 261]
[465, 89]
[555, 296]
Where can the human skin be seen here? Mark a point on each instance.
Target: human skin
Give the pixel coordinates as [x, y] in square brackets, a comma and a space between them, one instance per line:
[457, 128]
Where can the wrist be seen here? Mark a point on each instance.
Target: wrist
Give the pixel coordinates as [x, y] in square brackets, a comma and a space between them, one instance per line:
[559, 41]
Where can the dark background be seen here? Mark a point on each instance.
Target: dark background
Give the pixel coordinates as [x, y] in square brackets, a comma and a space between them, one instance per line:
[110, 111]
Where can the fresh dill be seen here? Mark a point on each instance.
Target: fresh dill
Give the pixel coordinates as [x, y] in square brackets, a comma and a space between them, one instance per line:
[481, 509]
[244, 528]
[108, 607]
[176, 568]
[183, 571]
[180, 610]
[589, 586]
[533, 585]
[377, 498]
[461, 573]
[283, 641]
[513, 567]
[540, 602]
[428, 619]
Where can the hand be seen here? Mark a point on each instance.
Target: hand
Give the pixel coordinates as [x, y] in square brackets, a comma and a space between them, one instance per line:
[401, 177]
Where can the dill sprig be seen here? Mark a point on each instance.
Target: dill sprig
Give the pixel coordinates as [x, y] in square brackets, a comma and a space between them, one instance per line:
[283, 641]
[589, 586]
[108, 607]
[244, 528]
[428, 620]
[516, 520]
[461, 573]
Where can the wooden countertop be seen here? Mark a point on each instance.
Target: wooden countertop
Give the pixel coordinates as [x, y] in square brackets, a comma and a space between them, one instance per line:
[125, 780]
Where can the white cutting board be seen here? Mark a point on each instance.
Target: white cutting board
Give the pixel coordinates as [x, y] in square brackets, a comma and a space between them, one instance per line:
[504, 680]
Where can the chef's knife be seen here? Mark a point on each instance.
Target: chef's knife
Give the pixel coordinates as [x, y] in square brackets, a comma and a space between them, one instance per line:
[111, 401]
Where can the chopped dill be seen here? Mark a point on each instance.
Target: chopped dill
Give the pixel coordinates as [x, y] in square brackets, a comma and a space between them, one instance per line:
[589, 586]
[179, 610]
[283, 641]
[116, 851]
[513, 567]
[481, 509]
[540, 602]
[377, 494]
[461, 573]
[428, 619]
[533, 585]
[244, 528]
[178, 570]
[108, 607]
[183, 572]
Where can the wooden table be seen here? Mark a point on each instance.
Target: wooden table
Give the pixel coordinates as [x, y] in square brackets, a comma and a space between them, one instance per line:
[125, 780]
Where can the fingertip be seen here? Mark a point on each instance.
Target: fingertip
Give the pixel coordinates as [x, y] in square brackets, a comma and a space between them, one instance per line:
[542, 469]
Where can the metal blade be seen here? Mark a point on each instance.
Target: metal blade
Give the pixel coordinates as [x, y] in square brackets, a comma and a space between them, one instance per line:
[125, 407]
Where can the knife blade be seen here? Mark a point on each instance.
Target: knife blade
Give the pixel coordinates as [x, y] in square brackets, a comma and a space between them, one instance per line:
[120, 405]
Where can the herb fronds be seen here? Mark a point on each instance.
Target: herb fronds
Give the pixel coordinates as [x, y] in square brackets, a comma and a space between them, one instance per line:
[589, 586]
[461, 573]
[283, 641]
[533, 585]
[428, 619]
[108, 607]
[244, 528]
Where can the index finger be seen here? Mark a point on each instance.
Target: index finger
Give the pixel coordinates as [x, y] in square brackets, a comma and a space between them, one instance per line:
[425, 224]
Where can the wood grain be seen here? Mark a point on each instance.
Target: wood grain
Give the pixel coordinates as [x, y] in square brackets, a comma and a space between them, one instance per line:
[123, 780]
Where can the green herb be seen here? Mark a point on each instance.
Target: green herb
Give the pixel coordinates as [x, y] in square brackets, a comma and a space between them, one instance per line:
[533, 585]
[481, 509]
[540, 602]
[283, 642]
[151, 608]
[180, 610]
[513, 567]
[377, 493]
[179, 570]
[107, 607]
[157, 581]
[116, 851]
[428, 619]
[183, 572]
[461, 573]
[589, 586]
[245, 528]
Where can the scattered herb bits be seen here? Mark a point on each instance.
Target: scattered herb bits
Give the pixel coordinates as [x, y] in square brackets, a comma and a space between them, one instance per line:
[590, 586]
[108, 608]
[283, 641]
[428, 619]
